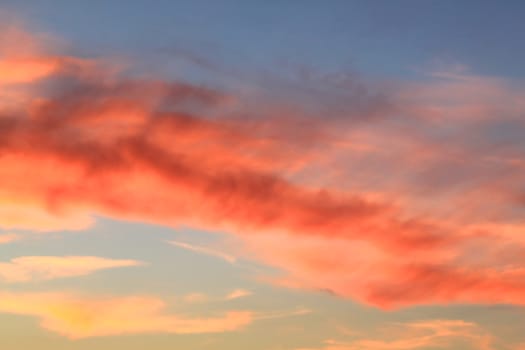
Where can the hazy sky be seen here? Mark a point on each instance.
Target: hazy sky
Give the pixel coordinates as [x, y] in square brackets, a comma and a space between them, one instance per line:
[267, 175]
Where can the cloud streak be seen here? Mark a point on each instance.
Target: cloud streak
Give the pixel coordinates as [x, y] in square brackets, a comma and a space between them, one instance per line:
[440, 334]
[41, 268]
[7, 238]
[204, 298]
[205, 251]
[238, 293]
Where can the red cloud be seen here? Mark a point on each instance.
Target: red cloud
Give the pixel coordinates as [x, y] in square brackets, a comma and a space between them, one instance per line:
[85, 140]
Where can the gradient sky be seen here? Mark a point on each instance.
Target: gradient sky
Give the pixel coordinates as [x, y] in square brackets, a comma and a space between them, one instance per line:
[266, 175]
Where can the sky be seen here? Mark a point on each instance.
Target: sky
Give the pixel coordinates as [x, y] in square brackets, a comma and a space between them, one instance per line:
[266, 175]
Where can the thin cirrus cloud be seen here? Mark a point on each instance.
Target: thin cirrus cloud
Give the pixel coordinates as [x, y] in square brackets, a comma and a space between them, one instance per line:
[7, 238]
[238, 293]
[205, 251]
[235, 294]
[40, 268]
[404, 181]
[439, 334]
[283, 314]
[76, 317]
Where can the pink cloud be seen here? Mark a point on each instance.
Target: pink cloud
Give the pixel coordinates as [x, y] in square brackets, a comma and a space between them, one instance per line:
[389, 208]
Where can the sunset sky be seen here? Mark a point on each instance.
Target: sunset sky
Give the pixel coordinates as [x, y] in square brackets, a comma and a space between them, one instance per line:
[262, 175]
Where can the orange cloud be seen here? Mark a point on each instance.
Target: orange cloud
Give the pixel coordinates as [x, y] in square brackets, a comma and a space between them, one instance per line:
[79, 317]
[24, 70]
[22, 213]
[37, 268]
[395, 197]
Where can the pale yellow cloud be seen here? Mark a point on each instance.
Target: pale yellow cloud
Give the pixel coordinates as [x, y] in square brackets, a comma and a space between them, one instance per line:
[38, 268]
[78, 317]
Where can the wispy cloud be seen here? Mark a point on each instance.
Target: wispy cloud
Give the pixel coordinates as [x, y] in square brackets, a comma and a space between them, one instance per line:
[205, 251]
[204, 298]
[238, 293]
[6, 238]
[444, 334]
[38, 268]
[283, 314]
[77, 317]
[196, 298]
